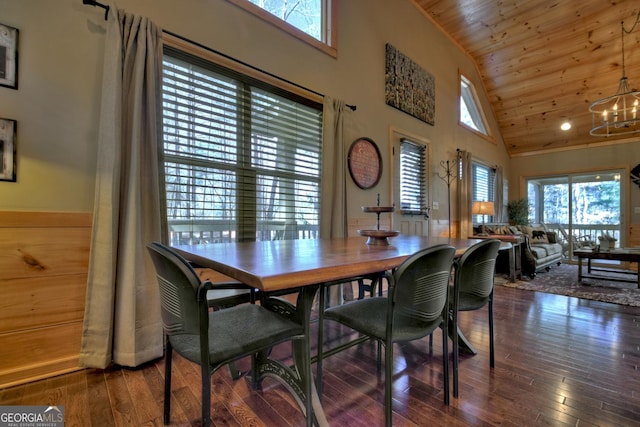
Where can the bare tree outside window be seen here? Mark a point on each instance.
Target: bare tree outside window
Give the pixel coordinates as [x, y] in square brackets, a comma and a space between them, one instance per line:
[306, 15]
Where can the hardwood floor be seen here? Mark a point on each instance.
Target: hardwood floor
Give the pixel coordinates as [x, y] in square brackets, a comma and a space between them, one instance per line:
[559, 361]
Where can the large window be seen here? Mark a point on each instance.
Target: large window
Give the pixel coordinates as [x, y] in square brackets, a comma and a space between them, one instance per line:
[242, 159]
[586, 205]
[309, 20]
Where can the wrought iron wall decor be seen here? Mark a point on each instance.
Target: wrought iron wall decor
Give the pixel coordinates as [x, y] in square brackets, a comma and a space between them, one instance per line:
[408, 87]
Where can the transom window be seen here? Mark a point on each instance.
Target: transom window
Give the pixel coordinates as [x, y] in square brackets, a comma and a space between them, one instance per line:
[471, 113]
[242, 158]
[309, 20]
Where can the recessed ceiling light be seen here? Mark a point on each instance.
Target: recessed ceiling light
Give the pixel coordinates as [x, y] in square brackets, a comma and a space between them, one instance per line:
[566, 125]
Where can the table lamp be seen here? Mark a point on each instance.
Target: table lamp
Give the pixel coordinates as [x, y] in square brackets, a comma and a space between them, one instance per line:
[482, 208]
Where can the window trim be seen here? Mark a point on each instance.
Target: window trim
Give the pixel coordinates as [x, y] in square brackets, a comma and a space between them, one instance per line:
[329, 23]
[488, 136]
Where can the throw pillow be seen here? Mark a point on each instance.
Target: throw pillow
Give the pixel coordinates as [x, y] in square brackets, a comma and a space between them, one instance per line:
[552, 237]
[538, 235]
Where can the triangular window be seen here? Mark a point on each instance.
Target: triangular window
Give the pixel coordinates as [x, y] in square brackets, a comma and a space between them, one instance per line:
[471, 114]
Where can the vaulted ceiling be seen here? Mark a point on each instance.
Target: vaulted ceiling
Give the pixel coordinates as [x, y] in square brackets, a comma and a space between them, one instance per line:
[544, 61]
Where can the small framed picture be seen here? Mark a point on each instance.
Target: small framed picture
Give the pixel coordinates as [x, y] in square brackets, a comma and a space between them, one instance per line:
[8, 56]
[8, 130]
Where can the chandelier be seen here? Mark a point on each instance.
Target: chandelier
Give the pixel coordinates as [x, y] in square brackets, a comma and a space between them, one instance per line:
[617, 114]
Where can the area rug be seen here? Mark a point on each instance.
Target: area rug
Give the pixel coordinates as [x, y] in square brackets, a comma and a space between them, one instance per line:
[563, 280]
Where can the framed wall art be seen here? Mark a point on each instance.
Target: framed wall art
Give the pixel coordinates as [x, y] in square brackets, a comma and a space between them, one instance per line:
[8, 56]
[365, 163]
[408, 87]
[8, 131]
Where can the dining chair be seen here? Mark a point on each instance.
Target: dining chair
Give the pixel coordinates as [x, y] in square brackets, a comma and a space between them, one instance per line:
[225, 293]
[472, 289]
[213, 339]
[415, 305]
[373, 285]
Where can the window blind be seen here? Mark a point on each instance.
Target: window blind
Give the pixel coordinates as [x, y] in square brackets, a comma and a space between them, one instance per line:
[483, 184]
[412, 178]
[242, 158]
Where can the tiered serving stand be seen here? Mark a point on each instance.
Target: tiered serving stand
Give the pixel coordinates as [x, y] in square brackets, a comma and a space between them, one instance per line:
[377, 236]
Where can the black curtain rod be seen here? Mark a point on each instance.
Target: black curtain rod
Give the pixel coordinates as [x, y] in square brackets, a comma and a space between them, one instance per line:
[353, 107]
[96, 4]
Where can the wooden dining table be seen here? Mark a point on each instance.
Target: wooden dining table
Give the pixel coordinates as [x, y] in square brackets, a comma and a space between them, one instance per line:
[305, 265]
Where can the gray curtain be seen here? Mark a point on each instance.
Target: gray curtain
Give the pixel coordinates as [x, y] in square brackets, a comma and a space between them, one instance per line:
[464, 193]
[498, 191]
[333, 194]
[122, 318]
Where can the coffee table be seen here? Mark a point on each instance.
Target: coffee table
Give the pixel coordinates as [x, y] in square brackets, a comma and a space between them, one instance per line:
[622, 254]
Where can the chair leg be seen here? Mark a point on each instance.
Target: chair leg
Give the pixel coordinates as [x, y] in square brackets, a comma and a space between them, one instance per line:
[255, 362]
[445, 361]
[307, 384]
[167, 383]
[388, 378]
[456, 351]
[492, 362]
[320, 355]
[206, 396]
[234, 371]
[361, 288]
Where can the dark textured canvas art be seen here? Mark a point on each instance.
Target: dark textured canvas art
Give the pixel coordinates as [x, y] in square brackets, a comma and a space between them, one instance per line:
[409, 87]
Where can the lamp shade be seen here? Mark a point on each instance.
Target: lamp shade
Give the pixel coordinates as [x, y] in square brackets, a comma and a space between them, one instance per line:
[482, 208]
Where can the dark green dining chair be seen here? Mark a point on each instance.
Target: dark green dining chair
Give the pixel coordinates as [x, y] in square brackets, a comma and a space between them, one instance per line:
[473, 289]
[224, 294]
[213, 339]
[415, 305]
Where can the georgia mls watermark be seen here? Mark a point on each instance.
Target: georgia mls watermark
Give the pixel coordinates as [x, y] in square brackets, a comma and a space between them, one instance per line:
[31, 416]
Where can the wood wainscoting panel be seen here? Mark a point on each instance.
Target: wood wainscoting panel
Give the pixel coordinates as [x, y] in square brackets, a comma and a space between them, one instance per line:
[44, 259]
[41, 301]
[38, 353]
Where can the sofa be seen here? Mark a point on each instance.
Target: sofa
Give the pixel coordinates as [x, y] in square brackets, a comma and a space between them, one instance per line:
[540, 248]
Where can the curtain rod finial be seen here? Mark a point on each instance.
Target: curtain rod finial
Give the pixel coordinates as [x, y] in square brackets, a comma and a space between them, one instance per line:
[96, 4]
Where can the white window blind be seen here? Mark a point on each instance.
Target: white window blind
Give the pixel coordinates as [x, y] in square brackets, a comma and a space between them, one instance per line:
[483, 185]
[413, 185]
[242, 159]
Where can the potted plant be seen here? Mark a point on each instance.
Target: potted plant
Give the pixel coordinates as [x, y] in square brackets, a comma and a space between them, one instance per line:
[518, 211]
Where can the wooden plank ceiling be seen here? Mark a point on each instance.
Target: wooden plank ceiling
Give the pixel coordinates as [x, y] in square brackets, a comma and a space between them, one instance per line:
[544, 61]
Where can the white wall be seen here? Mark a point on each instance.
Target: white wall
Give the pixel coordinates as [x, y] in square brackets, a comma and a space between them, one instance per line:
[60, 72]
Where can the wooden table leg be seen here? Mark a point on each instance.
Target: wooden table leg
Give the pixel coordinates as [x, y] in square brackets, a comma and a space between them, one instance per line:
[512, 263]
[579, 269]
